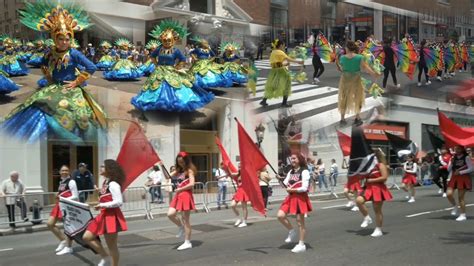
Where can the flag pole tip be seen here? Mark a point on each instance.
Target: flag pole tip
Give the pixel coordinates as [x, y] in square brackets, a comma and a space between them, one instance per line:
[235, 118]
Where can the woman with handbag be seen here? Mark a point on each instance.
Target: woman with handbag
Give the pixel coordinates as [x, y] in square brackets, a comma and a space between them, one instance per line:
[264, 182]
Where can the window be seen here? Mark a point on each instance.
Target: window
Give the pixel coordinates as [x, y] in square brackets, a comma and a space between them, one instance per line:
[446, 2]
[6, 16]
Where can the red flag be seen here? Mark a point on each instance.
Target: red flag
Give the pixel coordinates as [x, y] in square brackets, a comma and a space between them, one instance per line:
[225, 157]
[136, 154]
[454, 134]
[344, 143]
[251, 160]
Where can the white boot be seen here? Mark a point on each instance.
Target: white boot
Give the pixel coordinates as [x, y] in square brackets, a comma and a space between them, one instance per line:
[454, 212]
[350, 204]
[291, 236]
[243, 224]
[186, 245]
[366, 222]
[300, 247]
[61, 245]
[377, 232]
[64, 251]
[237, 222]
[180, 232]
[355, 209]
[462, 217]
[411, 200]
[104, 262]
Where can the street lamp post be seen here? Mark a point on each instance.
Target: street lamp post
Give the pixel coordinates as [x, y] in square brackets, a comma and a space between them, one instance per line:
[259, 132]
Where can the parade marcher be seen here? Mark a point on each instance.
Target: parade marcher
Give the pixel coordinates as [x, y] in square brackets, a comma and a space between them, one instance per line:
[460, 166]
[9, 63]
[232, 69]
[422, 67]
[410, 168]
[207, 73]
[351, 90]
[444, 159]
[297, 202]
[107, 60]
[240, 196]
[67, 189]
[376, 191]
[352, 187]
[183, 201]
[110, 220]
[124, 67]
[278, 83]
[317, 65]
[14, 192]
[7, 85]
[221, 177]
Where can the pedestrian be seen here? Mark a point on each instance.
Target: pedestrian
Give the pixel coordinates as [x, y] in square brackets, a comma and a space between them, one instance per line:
[67, 189]
[333, 173]
[110, 221]
[155, 178]
[14, 192]
[90, 52]
[222, 179]
[410, 167]
[321, 172]
[183, 201]
[351, 90]
[422, 67]
[389, 64]
[278, 83]
[84, 181]
[317, 65]
[240, 196]
[260, 51]
[264, 182]
[443, 173]
[460, 167]
[297, 202]
[376, 191]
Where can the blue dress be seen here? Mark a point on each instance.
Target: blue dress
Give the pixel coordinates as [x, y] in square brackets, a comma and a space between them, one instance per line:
[68, 114]
[123, 69]
[207, 73]
[147, 68]
[7, 85]
[168, 89]
[36, 58]
[10, 64]
[106, 61]
[233, 71]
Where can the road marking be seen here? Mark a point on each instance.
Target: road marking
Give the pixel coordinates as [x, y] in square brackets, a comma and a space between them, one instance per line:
[6, 249]
[335, 206]
[435, 211]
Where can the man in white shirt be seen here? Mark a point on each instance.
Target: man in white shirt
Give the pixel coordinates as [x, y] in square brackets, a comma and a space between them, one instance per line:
[222, 179]
[155, 178]
[14, 191]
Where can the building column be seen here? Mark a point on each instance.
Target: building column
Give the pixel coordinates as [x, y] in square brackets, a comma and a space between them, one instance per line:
[378, 24]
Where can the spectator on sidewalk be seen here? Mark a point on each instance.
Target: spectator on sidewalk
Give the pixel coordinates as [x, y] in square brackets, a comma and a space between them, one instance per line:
[321, 171]
[155, 179]
[222, 179]
[14, 191]
[260, 51]
[264, 182]
[84, 180]
[334, 172]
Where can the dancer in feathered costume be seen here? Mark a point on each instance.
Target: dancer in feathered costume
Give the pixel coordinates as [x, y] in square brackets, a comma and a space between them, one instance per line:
[28, 49]
[19, 51]
[37, 57]
[464, 56]
[232, 70]
[124, 68]
[9, 63]
[148, 67]
[169, 87]
[207, 73]
[6, 85]
[407, 56]
[107, 60]
[2, 46]
[63, 108]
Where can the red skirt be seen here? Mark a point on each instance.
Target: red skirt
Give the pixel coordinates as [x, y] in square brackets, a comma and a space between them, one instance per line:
[241, 196]
[296, 203]
[376, 192]
[409, 179]
[460, 182]
[183, 201]
[109, 221]
[56, 212]
[353, 184]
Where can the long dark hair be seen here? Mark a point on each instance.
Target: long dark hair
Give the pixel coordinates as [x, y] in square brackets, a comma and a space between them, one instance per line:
[188, 165]
[114, 171]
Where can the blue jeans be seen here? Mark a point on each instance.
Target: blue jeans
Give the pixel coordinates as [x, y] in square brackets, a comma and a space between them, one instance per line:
[322, 179]
[332, 178]
[222, 190]
[155, 192]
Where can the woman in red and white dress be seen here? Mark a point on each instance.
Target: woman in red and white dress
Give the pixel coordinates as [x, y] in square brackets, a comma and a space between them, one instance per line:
[297, 202]
[183, 201]
[243, 198]
[67, 189]
[352, 187]
[376, 191]
[409, 179]
[110, 220]
[460, 167]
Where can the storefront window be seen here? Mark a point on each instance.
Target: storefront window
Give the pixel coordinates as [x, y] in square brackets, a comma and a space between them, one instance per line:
[364, 22]
[413, 28]
[390, 27]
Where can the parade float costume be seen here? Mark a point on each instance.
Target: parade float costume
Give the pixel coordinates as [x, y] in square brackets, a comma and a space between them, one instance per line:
[37, 57]
[207, 73]
[110, 220]
[149, 67]
[376, 191]
[183, 200]
[279, 80]
[70, 113]
[123, 68]
[107, 60]
[232, 70]
[297, 203]
[170, 88]
[9, 62]
[7, 85]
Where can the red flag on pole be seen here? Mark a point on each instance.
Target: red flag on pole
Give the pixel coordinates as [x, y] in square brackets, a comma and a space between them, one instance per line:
[225, 157]
[454, 134]
[251, 160]
[344, 143]
[136, 154]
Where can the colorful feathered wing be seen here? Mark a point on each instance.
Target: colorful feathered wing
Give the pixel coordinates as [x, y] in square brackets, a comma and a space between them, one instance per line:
[324, 49]
[407, 56]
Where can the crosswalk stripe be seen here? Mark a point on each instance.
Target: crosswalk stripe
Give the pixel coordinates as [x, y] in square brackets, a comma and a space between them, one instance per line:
[298, 92]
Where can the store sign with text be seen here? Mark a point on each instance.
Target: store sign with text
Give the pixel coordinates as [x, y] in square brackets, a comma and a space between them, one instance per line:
[376, 132]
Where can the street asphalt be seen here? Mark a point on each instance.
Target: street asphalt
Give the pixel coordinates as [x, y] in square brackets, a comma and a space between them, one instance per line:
[421, 233]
